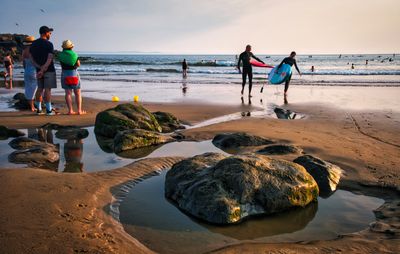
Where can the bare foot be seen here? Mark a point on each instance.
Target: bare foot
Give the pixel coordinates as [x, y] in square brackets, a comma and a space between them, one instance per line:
[33, 109]
[83, 112]
[71, 113]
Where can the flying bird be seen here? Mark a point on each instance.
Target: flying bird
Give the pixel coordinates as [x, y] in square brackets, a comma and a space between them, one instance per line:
[16, 24]
[42, 10]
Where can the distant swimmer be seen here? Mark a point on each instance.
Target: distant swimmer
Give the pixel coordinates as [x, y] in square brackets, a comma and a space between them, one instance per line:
[290, 61]
[366, 62]
[312, 68]
[340, 56]
[184, 68]
[352, 66]
[247, 69]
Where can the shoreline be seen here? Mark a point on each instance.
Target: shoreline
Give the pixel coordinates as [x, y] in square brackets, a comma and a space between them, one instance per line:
[62, 204]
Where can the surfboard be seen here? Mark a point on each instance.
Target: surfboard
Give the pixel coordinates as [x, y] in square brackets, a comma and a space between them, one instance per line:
[256, 63]
[278, 76]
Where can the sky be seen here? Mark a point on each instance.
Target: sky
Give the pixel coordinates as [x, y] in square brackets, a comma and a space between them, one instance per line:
[212, 26]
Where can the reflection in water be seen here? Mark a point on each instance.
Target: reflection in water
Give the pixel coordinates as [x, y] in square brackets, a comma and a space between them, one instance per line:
[184, 87]
[245, 113]
[73, 150]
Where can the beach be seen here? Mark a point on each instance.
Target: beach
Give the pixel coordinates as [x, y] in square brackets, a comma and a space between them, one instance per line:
[45, 211]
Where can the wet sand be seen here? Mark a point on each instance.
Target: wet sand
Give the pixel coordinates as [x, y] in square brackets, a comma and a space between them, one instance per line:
[46, 212]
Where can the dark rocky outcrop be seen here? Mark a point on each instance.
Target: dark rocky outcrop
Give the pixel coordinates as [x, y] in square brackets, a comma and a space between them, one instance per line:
[125, 117]
[6, 133]
[280, 149]
[238, 139]
[137, 138]
[221, 189]
[284, 114]
[168, 121]
[12, 43]
[34, 153]
[20, 101]
[326, 174]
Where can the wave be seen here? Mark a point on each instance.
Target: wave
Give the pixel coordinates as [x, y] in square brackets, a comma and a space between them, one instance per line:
[216, 63]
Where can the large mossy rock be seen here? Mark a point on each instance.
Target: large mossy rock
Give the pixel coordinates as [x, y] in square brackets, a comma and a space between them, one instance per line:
[221, 189]
[6, 133]
[168, 121]
[326, 174]
[137, 138]
[125, 117]
[238, 139]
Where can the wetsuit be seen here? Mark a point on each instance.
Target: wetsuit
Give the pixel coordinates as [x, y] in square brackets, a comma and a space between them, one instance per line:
[290, 61]
[184, 65]
[247, 69]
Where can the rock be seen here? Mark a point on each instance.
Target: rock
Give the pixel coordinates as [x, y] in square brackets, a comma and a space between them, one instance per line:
[280, 150]
[325, 174]
[237, 139]
[21, 102]
[137, 138]
[72, 133]
[34, 153]
[125, 117]
[168, 121]
[6, 133]
[284, 113]
[221, 189]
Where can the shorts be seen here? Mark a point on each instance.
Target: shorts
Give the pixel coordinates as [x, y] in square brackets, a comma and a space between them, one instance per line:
[48, 80]
[70, 73]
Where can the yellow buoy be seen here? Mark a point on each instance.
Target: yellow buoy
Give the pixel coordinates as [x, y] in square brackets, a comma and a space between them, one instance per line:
[135, 98]
[115, 99]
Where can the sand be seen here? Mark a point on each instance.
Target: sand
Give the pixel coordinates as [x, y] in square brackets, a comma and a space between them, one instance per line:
[46, 212]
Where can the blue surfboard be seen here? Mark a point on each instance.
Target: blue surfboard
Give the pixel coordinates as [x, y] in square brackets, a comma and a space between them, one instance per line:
[278, 76]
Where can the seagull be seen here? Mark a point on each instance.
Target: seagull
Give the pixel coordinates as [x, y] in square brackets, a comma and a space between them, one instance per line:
[42, 10]
[16, 24]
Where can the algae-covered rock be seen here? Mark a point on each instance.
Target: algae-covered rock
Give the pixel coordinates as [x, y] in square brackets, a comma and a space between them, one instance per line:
[326, 174]
[137, 138]
[221, 189]
[168, 121]
[280, 149]
[125, 117]
[238, 139]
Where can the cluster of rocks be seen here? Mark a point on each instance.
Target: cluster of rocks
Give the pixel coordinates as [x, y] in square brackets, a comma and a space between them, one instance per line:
[12, 43]
[131, 126]
[225, 189]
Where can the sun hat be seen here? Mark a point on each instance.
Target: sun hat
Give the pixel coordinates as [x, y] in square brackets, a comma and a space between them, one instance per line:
[28, 40]
[67, 44]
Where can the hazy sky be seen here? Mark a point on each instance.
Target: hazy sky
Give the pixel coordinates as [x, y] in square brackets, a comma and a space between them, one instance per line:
[216, 27]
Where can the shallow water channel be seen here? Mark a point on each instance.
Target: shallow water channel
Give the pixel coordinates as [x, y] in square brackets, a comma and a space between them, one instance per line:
[152, 219]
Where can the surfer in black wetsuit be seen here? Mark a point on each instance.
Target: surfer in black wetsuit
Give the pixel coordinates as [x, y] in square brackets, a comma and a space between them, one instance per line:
[247, 69]
[290, 61]
[184, 68]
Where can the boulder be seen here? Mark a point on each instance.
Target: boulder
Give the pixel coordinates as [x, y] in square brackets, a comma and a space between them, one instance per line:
[21, 102]
[327, 175]
[225, 189]
[22, 143]
[238, 139]
[168, 121]
[137, 138]
[125, 117]
[280, 149]
[6, 133]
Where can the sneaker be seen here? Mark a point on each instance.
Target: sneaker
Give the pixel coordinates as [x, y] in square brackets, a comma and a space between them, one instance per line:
[39, 112]
[50, 113]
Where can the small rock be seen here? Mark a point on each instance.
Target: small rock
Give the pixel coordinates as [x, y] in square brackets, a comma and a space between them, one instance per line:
[280, 150]
[326, 174]
[238, 139]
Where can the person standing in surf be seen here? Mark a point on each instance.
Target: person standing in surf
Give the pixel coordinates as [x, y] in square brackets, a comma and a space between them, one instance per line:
[247, 69]
[184, 68]
[290, 60]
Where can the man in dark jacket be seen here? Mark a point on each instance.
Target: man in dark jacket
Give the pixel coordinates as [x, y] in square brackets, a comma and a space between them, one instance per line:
[247, 69]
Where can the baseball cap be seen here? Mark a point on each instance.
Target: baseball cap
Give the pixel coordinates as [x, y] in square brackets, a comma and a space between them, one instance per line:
[45, 29]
